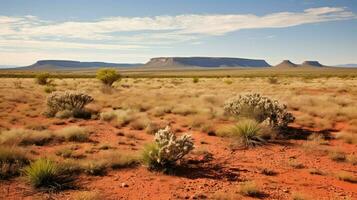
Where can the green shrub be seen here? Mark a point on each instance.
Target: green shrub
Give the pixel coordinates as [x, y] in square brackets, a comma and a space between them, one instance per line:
[248, 132]
[44, 173]
[42, 78]
[11, 160]
[195, 80]
[262, 109]
[108, 76]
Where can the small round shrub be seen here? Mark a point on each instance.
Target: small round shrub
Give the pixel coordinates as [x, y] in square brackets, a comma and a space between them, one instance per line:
[108, 76]
[42, 78]
[195, 80]
[166, 150]
[73, 101]
[260, 108]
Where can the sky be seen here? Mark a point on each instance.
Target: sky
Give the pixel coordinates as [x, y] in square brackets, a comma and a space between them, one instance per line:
[135, 31]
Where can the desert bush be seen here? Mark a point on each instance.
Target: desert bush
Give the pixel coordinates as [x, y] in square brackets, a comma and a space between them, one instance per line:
[42, 78]
[25, 137]
[73, 101]
[260, 108]
[166, 150]
[273, 80]
[46, 174]
[73, 133]
[195, 79]
[248, 132]
[107, 76]
[12, 159]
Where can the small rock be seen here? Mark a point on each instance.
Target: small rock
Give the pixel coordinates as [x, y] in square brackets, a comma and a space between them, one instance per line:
[124, 185]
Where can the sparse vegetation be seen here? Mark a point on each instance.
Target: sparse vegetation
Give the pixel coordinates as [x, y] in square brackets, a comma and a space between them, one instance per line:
[25, 137]
[122, 122]
[12, 159]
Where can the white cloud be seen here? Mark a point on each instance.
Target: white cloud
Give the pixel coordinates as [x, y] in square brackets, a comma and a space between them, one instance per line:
[126, 33]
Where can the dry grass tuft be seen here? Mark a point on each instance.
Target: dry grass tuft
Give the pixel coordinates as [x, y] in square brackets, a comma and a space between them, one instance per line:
[25, 137]
[73, 133]
[346, 176]
[249, 189]
[87, 195]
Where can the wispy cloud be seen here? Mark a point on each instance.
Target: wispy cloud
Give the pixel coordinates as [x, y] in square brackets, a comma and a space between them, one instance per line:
[121, 33]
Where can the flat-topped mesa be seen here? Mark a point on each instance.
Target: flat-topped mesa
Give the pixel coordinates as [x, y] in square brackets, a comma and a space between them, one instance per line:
[312, 64]
[286, 64]
[208, 62]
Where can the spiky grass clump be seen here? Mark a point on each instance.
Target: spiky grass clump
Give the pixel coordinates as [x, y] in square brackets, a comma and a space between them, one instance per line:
[73, 133]
[147, 155]
[11, 160]
[46, 174]
[248, 133]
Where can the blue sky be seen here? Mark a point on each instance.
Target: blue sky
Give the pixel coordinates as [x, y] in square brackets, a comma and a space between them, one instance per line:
[136, 30]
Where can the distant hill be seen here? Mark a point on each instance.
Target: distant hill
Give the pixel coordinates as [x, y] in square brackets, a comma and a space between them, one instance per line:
[207, 62]
[72, 65]
[286, 64]
[312, 64]
[347, 65]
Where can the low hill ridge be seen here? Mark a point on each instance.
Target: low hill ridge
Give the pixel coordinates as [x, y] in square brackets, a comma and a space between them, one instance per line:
[286, 64]
[208, 62]
[72, 65]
